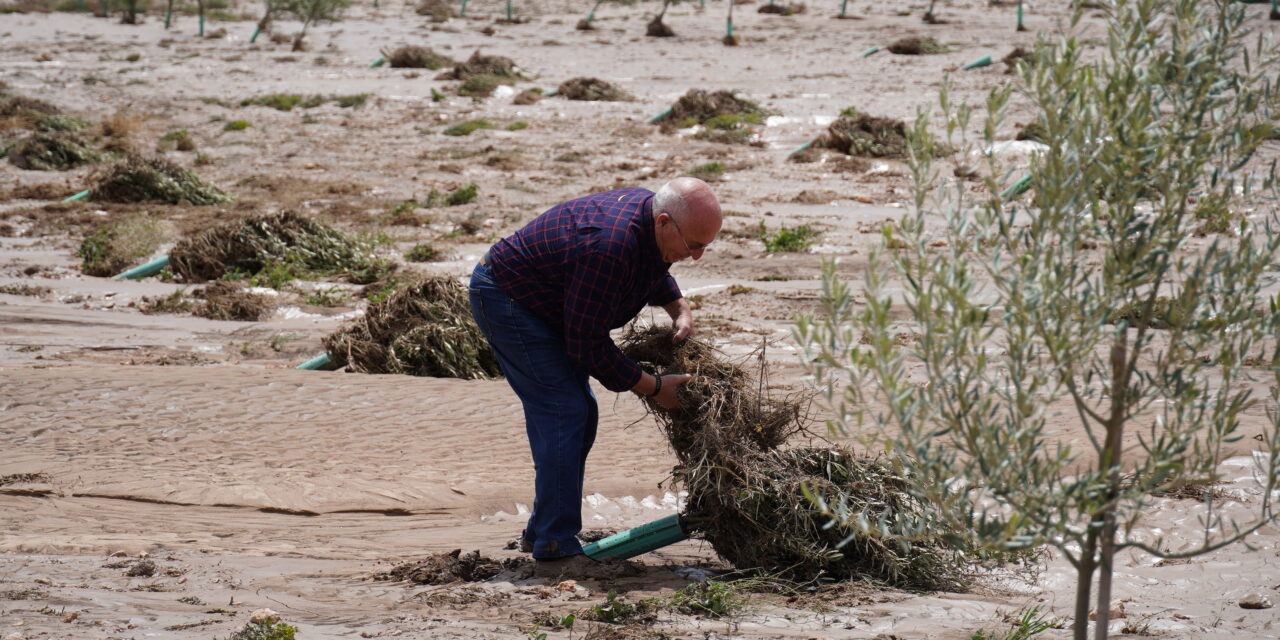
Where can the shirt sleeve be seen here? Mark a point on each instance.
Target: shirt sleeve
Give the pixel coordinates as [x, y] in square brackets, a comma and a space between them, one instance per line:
[666, 292]
[592, 294]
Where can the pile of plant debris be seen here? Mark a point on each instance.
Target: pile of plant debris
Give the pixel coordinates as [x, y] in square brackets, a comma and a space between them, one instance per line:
[416, 57]
[116, 246]
[787, 9]
[725, 116]
[154, 179]
[917, 45]
[224, 300]
[445, 568]
[858, 134]
[423, 328]
[285, 240]
[592, 89]
[439, 10]
[746, 493]
[481, 65]
[52, 151]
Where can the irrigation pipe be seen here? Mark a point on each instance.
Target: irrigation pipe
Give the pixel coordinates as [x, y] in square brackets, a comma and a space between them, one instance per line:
[143, 271]
[317, 363]
[660, 116]
[642, 539]
[869, 51]
[1017, 188]
[79, 196]
[984, 61]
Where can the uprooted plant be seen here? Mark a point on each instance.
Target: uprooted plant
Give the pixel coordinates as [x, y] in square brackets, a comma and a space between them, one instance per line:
[422, 328]
[747, 494]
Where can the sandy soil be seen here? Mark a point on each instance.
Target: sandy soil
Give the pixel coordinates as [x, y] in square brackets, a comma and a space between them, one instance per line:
[250, 484]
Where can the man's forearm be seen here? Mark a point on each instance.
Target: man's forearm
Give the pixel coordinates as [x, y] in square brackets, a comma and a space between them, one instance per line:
[677, 307]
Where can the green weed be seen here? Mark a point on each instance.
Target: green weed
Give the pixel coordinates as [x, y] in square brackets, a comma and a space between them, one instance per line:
[788, 239]
[422, 253]
[237, 125]
[463, 195]
[465, 128]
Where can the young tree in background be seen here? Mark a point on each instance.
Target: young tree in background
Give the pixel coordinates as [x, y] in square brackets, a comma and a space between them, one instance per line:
[313, 11]
[1092, 305]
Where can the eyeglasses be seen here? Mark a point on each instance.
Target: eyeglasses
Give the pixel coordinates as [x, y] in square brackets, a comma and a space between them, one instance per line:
[679, 232]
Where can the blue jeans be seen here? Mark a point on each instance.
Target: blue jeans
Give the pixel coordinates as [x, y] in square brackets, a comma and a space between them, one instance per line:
[560, 413]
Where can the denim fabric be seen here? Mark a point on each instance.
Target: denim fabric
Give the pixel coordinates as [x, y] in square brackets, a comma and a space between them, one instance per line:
[560, 412]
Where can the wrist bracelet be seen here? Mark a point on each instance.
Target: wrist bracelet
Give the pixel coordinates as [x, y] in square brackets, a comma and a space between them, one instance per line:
[656, 387]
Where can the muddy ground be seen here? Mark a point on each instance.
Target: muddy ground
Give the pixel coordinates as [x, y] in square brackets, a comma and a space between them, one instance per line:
[194, 443]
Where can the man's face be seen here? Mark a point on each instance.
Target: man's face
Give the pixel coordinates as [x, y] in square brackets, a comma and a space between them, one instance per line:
[688, 238]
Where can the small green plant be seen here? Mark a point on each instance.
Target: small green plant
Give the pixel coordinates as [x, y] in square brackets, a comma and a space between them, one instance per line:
[353, 101]
[465, 128]
[179, 139]
[61, 122]
[278, 101]
[328, 297]
[422, 253]
[791, 239]
[612, 610]
[191, 600]
[276, 274]
[1028, 623]
[436, 96]
[516, 126]
[482, 85]
[738, 289]
[711, 598]
[463, 195]
[708, 171]
[265, 630]
[237, 125]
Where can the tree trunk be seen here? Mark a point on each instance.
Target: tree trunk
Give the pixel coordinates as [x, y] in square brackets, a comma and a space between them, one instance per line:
[1111, 454]
[663, 12]
[1084, 583]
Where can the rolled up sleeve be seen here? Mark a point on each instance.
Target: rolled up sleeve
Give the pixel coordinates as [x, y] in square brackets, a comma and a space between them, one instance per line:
[593, 293]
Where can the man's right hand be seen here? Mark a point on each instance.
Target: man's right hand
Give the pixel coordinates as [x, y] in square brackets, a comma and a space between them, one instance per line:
[666, 397]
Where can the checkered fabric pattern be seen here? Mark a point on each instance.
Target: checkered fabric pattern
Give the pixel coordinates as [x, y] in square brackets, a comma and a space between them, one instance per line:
[588, 266]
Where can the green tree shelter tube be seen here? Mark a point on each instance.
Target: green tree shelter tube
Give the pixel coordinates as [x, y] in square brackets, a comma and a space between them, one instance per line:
[642, 539]
[143, 271]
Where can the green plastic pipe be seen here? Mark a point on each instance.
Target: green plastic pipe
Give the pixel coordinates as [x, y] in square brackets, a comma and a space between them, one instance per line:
[1020, 27]
[378, 63]
[508, 10]
[317, 363]
[660, 116]
[79, 196]
[591, 15]
[143, 271]
[980, 62]
[869, 51]
[256, 31]
[168, 18]
[1017, 188]
[802, 147]
[843, 5]
[202, 25]
[462, 13]
[728, 27]
[1275, 9]
[642, 539]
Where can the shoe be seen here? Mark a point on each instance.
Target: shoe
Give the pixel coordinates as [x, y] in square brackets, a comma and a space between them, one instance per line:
[581, 567]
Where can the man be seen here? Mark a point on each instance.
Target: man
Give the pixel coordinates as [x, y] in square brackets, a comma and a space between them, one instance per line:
[547, 296]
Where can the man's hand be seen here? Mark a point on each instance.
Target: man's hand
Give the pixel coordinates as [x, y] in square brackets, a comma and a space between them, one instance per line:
[666, 397]
[681, 320]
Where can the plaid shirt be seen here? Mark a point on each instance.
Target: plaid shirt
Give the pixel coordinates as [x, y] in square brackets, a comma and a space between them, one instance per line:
[589, 266]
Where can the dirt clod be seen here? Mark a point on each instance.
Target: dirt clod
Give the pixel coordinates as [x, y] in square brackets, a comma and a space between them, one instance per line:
[658, 29]
[917, 45]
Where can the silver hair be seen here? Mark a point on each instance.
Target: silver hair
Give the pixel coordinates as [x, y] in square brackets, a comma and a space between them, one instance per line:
[670, 199]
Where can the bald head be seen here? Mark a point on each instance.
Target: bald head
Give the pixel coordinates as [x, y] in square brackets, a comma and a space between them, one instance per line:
[690, 208]
[687, 198]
